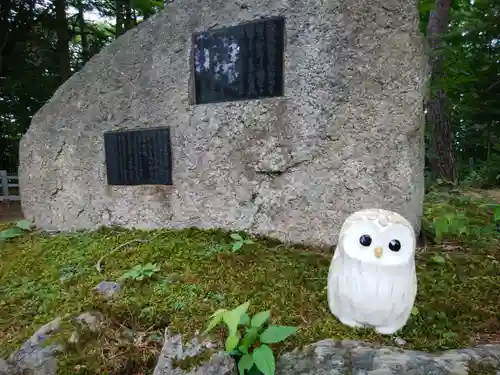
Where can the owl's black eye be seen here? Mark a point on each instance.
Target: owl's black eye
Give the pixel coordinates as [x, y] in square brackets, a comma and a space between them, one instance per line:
[395, 245]
[365, 240]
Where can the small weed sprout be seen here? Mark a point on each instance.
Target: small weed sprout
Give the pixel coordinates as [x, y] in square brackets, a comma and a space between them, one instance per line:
[249, 338]
[238, 242]
[17, 230]
[140, 272]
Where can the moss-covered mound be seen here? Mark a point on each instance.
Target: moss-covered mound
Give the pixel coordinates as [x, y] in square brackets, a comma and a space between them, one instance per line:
[44, 276]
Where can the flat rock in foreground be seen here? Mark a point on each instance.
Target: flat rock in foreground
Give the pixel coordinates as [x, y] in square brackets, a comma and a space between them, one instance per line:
[329, 357]
[351, 357]
[346, 135]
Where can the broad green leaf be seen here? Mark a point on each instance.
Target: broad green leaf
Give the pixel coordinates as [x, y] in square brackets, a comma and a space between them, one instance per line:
[263, 358]
[496, 213]
[236, 237]
[242, 309]
[218, 312]
[441, 226]
[274, 334]
[245, 319]
[232, 317]
[24, 224]
[232, 320]
[216, 319]
[243, 349]
[249, 339]
[232, 341]
[260, 318]
[237, 245]
[11, 233]
[245, 363]
[414, 311]
[248, 242]
[236, 353]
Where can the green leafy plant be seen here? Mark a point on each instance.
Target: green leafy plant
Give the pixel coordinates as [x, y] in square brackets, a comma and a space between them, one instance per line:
[140, 272]
[249, 338]
[441, 219]
[239, 241]
[17, 230]
[495, 207]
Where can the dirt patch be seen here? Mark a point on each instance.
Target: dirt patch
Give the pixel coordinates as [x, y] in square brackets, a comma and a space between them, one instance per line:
[10, 211]
[493, 194]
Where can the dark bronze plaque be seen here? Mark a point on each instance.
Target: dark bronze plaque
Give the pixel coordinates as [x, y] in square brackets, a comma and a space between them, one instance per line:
[239, 62]
[138, 157]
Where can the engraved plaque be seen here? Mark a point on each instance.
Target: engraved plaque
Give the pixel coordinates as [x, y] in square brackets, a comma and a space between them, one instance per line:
[239, 62]
[138, 157]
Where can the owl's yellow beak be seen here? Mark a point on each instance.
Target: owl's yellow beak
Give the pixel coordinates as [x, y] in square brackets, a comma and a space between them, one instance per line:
[378, 251]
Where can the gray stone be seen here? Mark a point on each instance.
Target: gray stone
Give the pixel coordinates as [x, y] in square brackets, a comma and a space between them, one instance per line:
[356, 358]
[34, 357]
[5, 368]
[108, 288]
[173, 349]
[347, 135]
[91, 320]
[400, 341]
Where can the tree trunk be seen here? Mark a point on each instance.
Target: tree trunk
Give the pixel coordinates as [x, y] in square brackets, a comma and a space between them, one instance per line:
[63, 39]
[438, 116]
[120, 17]
[83, 32]
[129, 16]
[17, 20]
[134, 12]
[4, 28]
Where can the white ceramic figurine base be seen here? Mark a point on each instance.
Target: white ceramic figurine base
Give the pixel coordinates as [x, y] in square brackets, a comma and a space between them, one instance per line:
[372, 280]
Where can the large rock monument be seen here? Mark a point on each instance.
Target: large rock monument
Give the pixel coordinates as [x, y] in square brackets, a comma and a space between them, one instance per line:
[275, 117]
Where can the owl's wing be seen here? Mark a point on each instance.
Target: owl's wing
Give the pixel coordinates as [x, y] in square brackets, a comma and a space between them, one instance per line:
[332, 286]
[336, 253]
[334, 261]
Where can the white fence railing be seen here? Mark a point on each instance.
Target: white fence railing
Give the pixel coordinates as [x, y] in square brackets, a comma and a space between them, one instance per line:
[5, 184]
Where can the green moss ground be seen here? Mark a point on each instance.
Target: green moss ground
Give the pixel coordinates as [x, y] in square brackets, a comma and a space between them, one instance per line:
[42, 277]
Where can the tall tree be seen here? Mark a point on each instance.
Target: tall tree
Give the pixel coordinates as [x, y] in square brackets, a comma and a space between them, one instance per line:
[17, 20]
[120, 17]
[126, 18]
[85, 54]
[441, 158]
[63, 39]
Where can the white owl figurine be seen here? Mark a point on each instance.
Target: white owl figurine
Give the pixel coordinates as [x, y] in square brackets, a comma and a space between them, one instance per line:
[372, 280]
